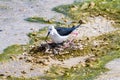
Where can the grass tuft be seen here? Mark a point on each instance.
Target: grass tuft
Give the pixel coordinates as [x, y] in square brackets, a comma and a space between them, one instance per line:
[10, 51]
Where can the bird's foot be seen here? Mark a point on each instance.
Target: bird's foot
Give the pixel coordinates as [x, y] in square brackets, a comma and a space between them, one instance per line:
[67, 44]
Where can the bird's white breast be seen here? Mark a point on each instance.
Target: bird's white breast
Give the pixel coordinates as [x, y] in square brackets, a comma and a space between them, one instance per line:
[57, 38]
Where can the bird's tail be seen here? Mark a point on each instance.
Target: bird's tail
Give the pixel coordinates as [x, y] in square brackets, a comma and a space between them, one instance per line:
[76, 26]
[80, 22]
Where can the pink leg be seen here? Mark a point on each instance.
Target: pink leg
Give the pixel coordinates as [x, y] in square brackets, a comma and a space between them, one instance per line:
[74, 35]
[70, 41]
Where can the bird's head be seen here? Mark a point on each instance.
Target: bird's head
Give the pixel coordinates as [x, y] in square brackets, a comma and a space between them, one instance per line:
[50, 31]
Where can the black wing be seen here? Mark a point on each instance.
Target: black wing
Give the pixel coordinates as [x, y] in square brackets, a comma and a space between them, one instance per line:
[65, 31]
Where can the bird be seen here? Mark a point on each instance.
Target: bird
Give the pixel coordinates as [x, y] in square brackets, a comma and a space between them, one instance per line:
[60, 34]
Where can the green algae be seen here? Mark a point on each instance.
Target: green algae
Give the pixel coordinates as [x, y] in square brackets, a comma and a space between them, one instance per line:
[10, 51]
[44, 20]
[37, 37]
[106, 8]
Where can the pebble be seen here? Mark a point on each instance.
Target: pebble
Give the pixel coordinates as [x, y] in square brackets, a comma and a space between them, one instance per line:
[55, 51]
[31, 69]
[2, 75]
[13, 57]
[23, 72]
[92, 4]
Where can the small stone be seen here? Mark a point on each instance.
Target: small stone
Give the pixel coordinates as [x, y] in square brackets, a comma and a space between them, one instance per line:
[50, 21]
[25, 54]
[65, 20]
[55, 51]
[9, 76]
[31, 69]
[23, 72]
[2, 75]
[91, 5]
[6, 72]
[13, 57]
[32, 29]
[91, 59]
[32, 7]
[23, 10]
[74, 8]
[48, 51]
[29, 60]
[82, 21]
[83, 64]
[43, 62]
[20, 58]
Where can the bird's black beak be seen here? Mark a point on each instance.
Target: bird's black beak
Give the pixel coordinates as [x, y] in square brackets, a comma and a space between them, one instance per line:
[47, 36]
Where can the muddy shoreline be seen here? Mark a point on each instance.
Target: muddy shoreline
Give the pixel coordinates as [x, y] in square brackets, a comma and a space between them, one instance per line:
[14, 30]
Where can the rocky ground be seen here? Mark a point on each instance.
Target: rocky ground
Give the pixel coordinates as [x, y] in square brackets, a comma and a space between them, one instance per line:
[13, 30]
[30, 66]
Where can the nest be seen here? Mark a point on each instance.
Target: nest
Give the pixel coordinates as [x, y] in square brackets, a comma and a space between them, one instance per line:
[59, 48]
